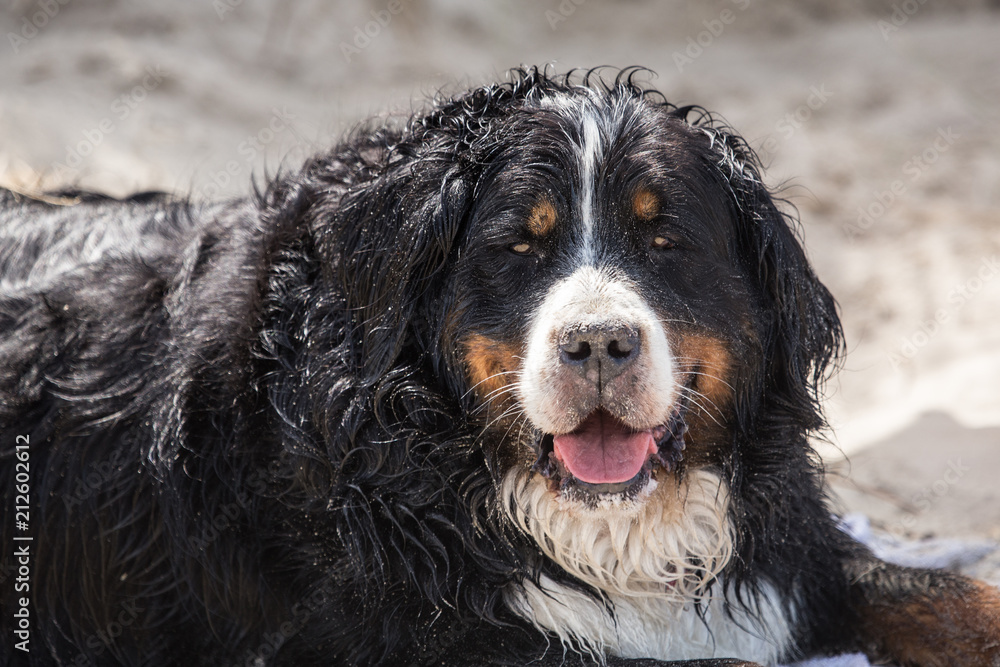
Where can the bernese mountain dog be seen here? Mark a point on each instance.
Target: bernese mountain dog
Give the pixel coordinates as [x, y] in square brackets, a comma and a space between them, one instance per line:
[528, 379]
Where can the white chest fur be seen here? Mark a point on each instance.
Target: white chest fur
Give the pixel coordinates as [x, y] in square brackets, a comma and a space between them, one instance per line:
[649, 627]
[651, 559]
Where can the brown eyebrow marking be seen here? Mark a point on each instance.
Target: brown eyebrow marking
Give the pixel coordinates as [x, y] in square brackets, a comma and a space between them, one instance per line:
[542, 218]
[645, 204]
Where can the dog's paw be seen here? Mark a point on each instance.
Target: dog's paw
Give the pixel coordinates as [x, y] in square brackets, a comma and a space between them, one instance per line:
[925, 618]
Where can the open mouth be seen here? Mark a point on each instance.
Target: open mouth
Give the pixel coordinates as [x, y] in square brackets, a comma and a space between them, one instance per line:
[605, 457]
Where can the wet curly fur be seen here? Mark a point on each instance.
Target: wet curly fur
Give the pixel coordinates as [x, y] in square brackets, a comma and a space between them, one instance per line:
[254, 440]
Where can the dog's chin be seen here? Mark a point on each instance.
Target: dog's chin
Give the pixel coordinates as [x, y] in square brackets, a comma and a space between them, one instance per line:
[604, 461]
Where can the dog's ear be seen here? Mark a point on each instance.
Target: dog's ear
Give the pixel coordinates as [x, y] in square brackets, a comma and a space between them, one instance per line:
[396, 234]
[802, 333]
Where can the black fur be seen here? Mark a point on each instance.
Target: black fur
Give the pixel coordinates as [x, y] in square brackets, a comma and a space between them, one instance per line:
[251, 432]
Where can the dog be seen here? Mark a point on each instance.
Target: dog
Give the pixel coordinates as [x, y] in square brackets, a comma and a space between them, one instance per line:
[528, 379]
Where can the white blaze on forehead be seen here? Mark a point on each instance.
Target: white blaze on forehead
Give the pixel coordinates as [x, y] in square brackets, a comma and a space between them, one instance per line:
[591, 153]
[593, 296]
[593, 125]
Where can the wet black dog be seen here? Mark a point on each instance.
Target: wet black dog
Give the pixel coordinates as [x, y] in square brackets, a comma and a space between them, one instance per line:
[528, 378]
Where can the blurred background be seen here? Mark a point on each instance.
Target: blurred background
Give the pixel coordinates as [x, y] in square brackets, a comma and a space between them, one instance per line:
[880, 119]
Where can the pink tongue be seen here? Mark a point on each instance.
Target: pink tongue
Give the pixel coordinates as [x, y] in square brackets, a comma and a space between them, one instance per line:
[603, 450]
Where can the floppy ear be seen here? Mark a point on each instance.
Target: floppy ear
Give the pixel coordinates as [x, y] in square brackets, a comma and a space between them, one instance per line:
[394, 234]
[394, 237]
[803, 334]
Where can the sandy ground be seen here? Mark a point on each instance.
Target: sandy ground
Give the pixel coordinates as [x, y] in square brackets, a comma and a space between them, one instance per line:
[881, 119]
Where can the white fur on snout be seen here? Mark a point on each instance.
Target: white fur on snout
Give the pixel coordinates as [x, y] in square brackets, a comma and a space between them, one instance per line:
[642, 396]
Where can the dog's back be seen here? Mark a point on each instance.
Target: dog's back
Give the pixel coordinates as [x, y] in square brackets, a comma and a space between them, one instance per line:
[113, 313]
[80, 277]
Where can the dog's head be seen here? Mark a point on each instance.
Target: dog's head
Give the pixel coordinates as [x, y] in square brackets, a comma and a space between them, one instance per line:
[604, 284]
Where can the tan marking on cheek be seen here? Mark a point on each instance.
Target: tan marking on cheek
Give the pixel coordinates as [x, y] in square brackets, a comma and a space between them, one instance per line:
[711, 358]
[489, 364]
[645, 204]
[542, 218]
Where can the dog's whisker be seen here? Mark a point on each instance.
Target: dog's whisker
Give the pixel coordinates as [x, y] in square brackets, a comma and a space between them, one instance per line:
[487, 379]
[697, 397]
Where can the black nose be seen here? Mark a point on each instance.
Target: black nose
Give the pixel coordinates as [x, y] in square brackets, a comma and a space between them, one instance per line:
[599, 352]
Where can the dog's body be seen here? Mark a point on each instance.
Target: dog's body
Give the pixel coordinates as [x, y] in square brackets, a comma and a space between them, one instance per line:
[528, 379]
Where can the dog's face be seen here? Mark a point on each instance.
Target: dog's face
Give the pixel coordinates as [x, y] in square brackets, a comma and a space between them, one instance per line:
[614, 301]
[606, 310]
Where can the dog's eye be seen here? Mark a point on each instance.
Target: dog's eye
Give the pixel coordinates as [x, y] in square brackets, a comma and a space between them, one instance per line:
[662, 243]
[521, 248]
